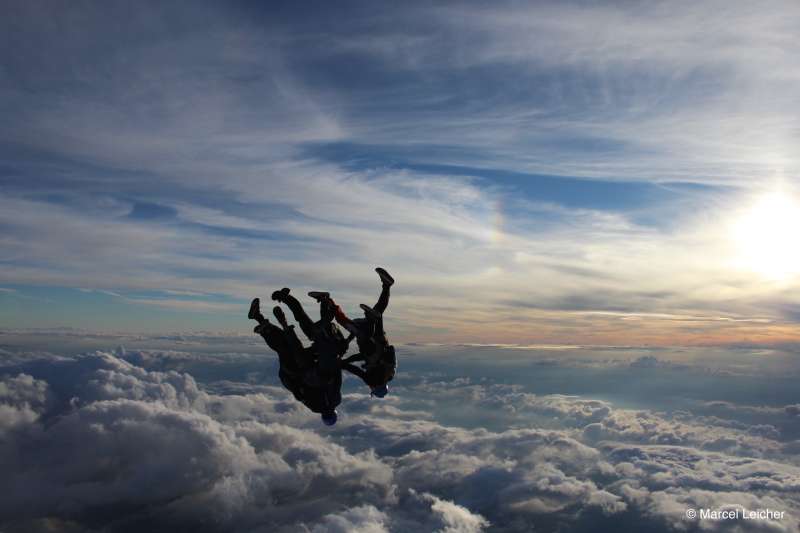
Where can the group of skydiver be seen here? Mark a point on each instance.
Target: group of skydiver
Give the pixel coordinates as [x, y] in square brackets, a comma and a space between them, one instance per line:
[313, 374]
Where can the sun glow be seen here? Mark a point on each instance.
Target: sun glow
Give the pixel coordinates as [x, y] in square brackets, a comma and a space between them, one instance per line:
[767, 236]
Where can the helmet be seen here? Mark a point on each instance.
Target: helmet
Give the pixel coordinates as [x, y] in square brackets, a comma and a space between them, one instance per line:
[329, 418]
[380, 391]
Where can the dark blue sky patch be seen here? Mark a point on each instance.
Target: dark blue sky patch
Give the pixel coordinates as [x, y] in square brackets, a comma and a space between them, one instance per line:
[266, 234]
[567, 191]
[148, 211]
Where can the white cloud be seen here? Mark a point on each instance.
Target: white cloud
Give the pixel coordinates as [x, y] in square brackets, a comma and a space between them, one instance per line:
[181, 122]
[364, 519]
[93, 432]
[457, 519]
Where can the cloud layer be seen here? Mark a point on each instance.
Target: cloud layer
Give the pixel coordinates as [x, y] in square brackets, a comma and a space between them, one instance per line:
[96, 442]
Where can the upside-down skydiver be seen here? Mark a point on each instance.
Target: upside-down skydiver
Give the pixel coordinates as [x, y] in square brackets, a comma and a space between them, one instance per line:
[328, 345]
[293, 362]
[380, 362]
[300, 372]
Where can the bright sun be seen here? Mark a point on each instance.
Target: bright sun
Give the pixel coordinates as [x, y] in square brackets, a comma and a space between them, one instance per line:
[767, 236]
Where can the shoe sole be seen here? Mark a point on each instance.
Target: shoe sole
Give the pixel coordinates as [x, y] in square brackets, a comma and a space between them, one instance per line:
[319, 295]
[385, 277]
[255, 306]
[280, 295]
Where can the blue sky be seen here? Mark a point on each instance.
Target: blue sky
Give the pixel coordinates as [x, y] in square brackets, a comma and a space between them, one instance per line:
[590, 208]
[554, 172]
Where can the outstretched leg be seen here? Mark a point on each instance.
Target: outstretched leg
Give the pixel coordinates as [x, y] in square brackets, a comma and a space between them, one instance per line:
[327, 310]
[277, 339]
[303, 356]
[374, 325]
[386, 282]
[271, 333]
[327, 307]
[255, 311]
[302, 318]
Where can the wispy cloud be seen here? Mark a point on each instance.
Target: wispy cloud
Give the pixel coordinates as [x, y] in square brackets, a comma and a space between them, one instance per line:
[188, 305]
[190, 301]
[102, 291]
[245, 158]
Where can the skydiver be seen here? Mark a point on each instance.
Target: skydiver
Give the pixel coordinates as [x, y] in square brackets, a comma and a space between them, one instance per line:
[299, 372]
[380, 361]
[380, 365]
[328, 345]
[292, 362]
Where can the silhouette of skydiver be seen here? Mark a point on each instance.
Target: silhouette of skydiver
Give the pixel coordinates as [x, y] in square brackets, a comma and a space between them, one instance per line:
[299, 371]
[293, 360]
[379, 367]
[323, 386]
[380, 361]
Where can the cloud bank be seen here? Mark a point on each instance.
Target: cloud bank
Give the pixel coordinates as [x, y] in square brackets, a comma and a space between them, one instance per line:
[96, 442]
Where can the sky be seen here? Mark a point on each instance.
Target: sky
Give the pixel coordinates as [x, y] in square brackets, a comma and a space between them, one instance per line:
[546, 173]
[590, 209]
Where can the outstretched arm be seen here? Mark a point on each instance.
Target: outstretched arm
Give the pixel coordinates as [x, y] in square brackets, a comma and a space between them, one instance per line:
[302, 318]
